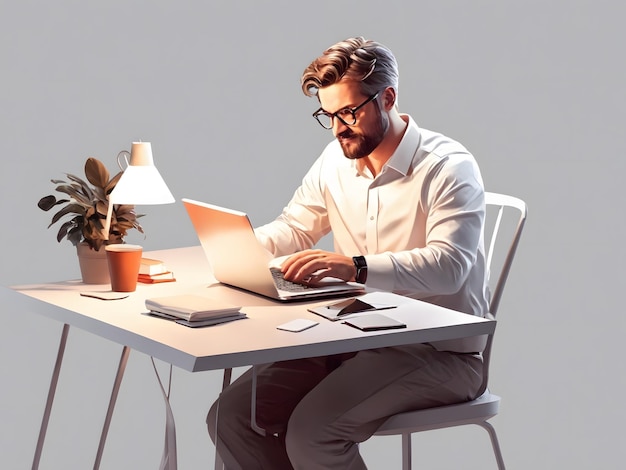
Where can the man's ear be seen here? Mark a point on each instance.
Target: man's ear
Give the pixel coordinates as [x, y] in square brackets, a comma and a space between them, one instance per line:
[389, 98]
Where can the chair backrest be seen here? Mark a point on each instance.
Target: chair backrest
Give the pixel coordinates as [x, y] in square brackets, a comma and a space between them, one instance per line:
[499, 205]
[505, 220]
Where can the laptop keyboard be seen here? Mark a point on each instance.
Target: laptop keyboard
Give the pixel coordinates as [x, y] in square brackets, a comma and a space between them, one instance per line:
[284, 284]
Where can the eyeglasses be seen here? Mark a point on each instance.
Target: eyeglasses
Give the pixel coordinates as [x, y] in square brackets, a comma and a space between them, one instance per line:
[345, 115]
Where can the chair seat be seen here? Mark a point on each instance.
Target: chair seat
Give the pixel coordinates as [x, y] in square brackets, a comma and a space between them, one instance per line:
[471, 412]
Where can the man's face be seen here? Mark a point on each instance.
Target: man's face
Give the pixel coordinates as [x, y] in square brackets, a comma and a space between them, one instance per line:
[360, 139]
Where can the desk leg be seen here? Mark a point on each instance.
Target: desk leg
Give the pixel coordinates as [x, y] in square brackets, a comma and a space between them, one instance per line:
[116, 388]
[51, 392]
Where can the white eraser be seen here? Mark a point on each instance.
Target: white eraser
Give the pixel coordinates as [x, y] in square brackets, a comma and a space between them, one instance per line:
[299, 324]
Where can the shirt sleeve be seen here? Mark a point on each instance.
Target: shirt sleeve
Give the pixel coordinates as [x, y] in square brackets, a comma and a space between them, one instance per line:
[303, 222]
[455, 211]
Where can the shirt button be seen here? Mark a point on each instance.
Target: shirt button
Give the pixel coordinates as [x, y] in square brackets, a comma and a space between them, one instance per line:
[371, 217]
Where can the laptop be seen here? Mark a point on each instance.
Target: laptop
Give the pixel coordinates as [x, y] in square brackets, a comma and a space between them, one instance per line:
[238, 259]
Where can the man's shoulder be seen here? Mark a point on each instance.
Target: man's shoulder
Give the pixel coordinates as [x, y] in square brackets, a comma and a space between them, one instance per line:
[440, 144]
[440, 156]
[427, 141]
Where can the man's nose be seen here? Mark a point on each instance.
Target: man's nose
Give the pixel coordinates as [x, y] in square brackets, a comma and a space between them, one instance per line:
[338, 126]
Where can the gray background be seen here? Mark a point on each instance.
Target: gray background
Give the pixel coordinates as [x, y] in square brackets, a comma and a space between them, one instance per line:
[534, 89]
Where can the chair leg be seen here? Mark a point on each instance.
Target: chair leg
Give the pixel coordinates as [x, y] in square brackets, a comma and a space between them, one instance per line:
[406, 451]
[494, 443]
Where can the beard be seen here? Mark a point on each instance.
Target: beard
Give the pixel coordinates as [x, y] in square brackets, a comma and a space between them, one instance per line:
[356, 146]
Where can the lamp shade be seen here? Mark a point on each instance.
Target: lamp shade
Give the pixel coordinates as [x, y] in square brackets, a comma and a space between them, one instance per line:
[141, 182]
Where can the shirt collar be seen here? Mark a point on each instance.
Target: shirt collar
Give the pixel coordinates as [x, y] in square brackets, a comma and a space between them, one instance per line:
[404, 153]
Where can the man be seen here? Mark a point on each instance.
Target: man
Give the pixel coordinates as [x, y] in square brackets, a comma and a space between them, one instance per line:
[406, 208]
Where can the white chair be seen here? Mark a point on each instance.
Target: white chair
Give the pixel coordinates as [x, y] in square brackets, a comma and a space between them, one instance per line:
[486, 406]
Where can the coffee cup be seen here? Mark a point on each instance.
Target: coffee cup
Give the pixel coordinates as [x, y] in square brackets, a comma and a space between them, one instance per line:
[124, 261]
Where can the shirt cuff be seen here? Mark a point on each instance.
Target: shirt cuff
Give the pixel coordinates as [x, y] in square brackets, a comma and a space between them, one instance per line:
[380, 272]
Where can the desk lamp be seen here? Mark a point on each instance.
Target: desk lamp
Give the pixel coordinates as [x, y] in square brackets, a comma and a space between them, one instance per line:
[141, 182]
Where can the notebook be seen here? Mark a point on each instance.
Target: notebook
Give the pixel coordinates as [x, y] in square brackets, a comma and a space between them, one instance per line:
[238, 259]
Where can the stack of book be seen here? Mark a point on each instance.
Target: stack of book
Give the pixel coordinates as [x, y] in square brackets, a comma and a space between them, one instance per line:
[193, 310]
[152, 271]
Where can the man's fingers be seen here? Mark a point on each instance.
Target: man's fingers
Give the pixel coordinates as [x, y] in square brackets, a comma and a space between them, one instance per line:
[304, 265]
[311, 266]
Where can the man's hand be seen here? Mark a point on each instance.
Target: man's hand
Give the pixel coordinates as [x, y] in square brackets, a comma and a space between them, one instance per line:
[311, 266]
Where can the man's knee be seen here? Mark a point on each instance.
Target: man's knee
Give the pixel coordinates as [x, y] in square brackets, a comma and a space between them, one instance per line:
[228, 415]
[298, 445]
[317, 445]
[211, 420]
[306, 435]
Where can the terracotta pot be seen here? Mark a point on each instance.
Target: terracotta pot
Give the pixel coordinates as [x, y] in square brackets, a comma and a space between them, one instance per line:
[94, 267]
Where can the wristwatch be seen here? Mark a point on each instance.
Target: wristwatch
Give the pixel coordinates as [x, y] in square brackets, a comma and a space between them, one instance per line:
[361, 269]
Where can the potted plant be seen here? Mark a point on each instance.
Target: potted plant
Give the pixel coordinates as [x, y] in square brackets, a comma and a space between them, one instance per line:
[84, 212]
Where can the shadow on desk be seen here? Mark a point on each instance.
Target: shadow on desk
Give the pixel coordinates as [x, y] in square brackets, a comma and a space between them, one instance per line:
[238, 296]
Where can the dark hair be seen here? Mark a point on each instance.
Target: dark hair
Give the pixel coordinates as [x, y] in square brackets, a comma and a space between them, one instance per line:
[356, 59]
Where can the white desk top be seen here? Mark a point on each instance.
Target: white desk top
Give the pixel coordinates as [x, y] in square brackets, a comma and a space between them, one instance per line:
[254, 340]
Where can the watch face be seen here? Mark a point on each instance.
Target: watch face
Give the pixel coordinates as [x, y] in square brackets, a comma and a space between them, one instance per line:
[361, 269]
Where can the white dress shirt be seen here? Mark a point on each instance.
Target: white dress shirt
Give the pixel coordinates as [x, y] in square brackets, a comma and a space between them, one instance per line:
[419, 222]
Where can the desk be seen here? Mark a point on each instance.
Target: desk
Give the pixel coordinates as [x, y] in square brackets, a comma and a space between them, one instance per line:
[246, 342]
